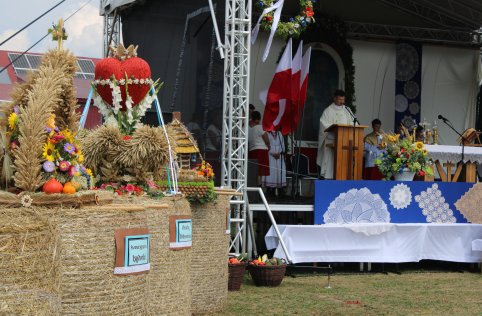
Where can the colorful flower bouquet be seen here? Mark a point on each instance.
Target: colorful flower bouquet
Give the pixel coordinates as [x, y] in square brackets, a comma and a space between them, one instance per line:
[63, 158]
[205, 170]
[403, 155]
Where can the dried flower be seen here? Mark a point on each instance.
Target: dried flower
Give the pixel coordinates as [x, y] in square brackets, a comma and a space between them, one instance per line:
[26, 200]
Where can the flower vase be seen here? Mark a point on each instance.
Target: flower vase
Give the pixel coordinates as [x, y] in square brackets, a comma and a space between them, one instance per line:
[405, 175]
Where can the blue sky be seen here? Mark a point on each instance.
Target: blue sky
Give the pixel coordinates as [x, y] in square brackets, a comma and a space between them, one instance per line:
[84, 28]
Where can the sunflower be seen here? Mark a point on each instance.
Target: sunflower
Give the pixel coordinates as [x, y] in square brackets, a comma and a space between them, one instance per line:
[392, 139]
[48, 150]
[419, 145]
[12, 120]
[424, 152]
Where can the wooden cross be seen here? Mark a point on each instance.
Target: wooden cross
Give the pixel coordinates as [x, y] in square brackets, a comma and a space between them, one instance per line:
[351, 148]
[59, 34]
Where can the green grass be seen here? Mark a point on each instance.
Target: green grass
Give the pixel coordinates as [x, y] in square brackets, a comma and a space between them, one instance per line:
[370, 294]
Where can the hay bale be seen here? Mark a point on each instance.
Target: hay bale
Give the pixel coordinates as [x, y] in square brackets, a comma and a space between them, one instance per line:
[14, 301]
[70, 253]
[169, 279]
[29, 251]
[209, 267]
[170, 276]
[88, 285]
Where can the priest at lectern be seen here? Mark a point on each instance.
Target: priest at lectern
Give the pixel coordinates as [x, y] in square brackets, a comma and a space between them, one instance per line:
[335, 113]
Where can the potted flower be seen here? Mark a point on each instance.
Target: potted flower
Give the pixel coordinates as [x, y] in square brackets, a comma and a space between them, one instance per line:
[403, 158]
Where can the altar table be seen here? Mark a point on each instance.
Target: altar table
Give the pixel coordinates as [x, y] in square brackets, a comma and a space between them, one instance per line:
[377, 242]
[449, 156]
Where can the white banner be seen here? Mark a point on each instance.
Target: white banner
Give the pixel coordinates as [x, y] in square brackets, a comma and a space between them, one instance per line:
[278, 6]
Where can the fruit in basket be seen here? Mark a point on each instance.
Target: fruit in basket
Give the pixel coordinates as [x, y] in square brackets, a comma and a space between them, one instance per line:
[264, 261]
[233, 261]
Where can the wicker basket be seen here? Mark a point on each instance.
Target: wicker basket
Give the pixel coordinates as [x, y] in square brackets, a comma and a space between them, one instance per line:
[236, 274]
[267, 275]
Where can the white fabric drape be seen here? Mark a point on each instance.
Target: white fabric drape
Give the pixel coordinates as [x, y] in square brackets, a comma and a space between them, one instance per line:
[377, 242]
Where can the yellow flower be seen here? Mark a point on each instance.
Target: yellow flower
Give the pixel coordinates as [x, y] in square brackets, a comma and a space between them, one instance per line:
[392, 138]
[68, 135]
[424, 151]
[419, 145]
[12, 120]
[80, 157]
[51, 122]
[383, 145]
[89, 172]
[48, 151]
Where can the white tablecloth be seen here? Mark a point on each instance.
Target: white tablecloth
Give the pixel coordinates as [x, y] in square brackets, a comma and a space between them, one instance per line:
[454, 153]
[377, 242]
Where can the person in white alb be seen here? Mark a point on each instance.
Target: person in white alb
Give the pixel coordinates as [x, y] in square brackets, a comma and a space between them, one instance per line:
[277, 164]
[335, 113]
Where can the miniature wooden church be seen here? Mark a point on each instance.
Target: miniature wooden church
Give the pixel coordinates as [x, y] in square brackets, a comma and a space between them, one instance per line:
[187, 150]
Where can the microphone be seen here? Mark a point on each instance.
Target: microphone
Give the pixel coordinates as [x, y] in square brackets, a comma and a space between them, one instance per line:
[440, 117]
[351, 113]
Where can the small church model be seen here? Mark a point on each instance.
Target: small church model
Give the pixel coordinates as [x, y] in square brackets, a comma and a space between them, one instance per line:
[186, 147]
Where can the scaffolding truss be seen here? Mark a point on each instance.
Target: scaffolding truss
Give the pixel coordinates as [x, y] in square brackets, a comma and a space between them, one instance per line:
[394, 32]
[112, 30]
[235, 112]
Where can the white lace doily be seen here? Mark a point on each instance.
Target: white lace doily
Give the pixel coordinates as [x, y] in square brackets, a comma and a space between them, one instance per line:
[411, 89]
[400, 196]
[407, 62]
[357, 206]
[401, 103]
[434, 207]
[414, 108]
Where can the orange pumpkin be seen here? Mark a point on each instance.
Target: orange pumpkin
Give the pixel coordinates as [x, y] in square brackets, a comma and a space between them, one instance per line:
[69, 188]
[52, 186]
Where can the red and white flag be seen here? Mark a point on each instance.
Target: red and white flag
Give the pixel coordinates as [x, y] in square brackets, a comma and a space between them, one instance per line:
[305, 69]
[279, 92]
[293, 111]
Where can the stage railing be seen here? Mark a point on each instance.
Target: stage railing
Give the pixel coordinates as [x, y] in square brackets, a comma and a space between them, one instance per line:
[273, 221]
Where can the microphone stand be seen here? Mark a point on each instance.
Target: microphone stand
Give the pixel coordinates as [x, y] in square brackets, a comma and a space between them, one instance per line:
[355, 120]
[449, 124]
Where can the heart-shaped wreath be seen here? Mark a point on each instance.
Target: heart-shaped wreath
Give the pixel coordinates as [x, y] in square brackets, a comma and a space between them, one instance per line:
[295, 26]
[123, 84]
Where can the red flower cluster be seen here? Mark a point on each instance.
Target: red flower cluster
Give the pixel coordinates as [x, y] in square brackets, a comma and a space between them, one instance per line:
[120, 189]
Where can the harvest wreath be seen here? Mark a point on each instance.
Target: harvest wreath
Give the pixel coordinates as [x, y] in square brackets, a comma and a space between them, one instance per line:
[296, 25]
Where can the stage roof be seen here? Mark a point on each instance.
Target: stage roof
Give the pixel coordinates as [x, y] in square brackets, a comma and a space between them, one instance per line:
[443, 21]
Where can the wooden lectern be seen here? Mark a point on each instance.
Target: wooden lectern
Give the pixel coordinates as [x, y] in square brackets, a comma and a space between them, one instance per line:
[348, 150]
